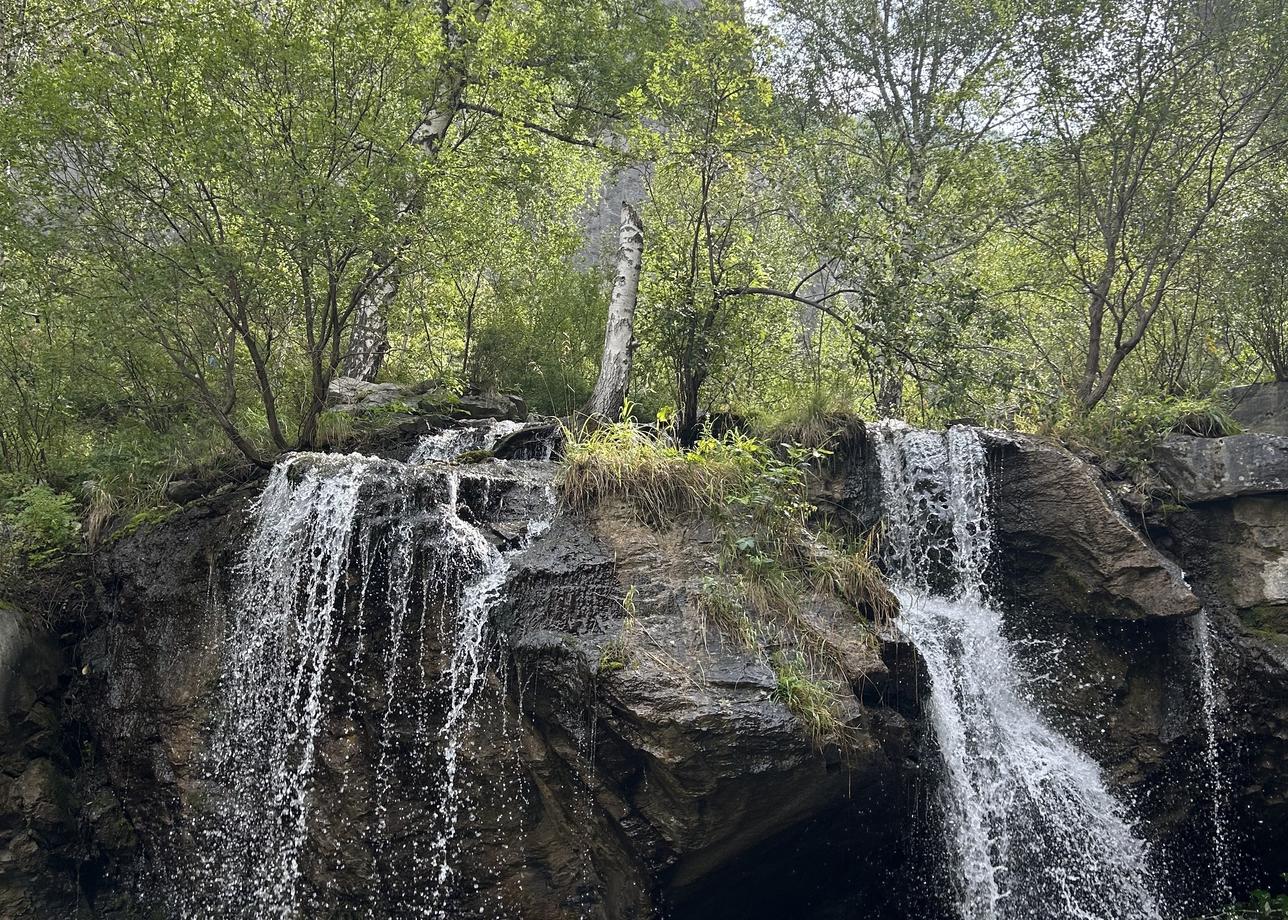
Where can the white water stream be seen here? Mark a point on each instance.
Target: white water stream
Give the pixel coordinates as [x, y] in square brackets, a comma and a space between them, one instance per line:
[1216, 778]
[333, 538]
[1032, 831]
[453, 442]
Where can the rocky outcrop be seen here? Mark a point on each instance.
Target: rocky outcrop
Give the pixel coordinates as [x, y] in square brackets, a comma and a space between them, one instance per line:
[1064, 538]
[1238, 549]
[628, 760]
[1212, 469]
[1261, 407]
[1237, 553]
[353, 396]
[38, 831]
[691, 752]
[1062, 535]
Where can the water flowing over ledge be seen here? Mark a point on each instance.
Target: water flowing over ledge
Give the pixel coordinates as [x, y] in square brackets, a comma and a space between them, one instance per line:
[1032, 830]
[333, 538]
[349, 690]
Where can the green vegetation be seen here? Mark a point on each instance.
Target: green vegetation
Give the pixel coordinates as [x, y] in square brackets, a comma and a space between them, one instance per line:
[209, 210]
[648, 467]
[41, 524]
[615, 654]
[146, 518]
[1261, 904]
[813, 702]
[1128, 429]
[775, 558]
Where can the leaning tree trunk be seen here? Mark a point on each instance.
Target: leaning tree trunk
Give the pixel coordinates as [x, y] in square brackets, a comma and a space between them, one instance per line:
[609, 395]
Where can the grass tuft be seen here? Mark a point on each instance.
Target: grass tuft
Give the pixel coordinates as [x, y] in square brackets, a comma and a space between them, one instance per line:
[819, 423]
[647, 468]
[814, 702]
[773, 558]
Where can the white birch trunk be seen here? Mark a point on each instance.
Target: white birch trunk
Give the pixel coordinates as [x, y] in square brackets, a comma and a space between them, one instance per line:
[369, 338]
[369, 334]
[619, 337]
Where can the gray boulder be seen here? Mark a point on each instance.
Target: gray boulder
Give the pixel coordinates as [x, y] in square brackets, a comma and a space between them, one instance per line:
[1238, 549]
[499, 406]
[350, 394]
[1212, 469]
[1261, 407]
[1064, 537]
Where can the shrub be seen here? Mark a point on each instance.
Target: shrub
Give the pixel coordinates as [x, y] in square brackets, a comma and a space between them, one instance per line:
[335, 429]
[817, 423]
[648, 469]
[42, 524]
[1128, 431]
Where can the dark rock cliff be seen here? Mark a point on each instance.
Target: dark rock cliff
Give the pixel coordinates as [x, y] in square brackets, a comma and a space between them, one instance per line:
[628, 761]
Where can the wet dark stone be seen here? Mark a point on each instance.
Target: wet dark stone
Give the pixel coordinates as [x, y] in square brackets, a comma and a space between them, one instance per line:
[673, 782]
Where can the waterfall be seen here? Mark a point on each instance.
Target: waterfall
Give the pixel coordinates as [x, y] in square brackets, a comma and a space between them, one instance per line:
[379, 559]
[1030, 827]
[1217, 782]
[453, 442]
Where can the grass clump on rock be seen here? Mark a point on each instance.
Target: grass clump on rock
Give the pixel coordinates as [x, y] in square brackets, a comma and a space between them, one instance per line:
[648, 469]
[778, 569]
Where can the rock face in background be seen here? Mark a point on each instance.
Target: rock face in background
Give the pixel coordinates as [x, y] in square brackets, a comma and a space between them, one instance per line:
[629, 762]
[38, 810]
[1211, 469]
[1261, 407]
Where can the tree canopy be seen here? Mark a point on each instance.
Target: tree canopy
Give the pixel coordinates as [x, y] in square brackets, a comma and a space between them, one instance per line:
[1060, 215]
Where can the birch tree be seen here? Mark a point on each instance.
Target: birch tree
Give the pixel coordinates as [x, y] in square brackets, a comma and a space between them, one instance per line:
[912, 108]
[555, 71]
[611, 387]
[1157, 116]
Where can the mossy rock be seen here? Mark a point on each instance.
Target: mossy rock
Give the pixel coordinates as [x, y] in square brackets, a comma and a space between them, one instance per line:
[1270, 620]
[148, 517]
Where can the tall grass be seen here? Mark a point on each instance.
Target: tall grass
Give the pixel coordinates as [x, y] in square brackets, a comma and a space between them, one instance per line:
[647, 468]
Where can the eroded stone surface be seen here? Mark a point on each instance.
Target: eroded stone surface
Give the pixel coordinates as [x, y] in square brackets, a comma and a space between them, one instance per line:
[675, 780]
[1261, 407]
[1212, 469]
[1064, 538]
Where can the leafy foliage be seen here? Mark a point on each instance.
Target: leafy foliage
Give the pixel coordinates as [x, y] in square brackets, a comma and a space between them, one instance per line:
[40, 524]
[1064, 216]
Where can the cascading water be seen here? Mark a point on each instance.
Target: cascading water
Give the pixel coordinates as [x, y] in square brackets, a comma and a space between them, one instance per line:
[453, 442]
[1216, 779]
[1031, 829]
[378, 558]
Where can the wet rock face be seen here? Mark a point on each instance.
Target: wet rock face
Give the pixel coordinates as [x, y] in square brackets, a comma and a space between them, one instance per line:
[1106, 618]
[1237, 552]
[627, 760]
[37, 809]
[1064, 538]
[596, 788]
[1061, 535]
[689, 752]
